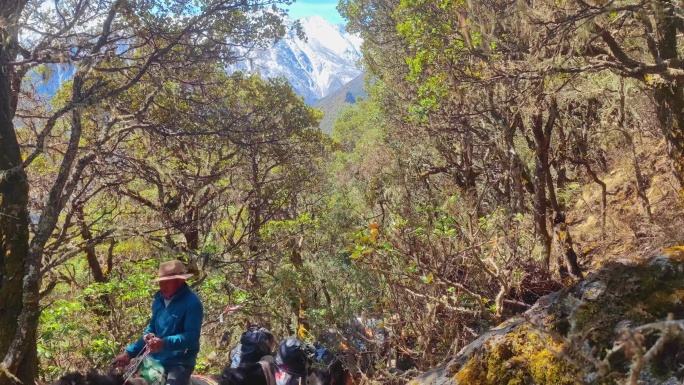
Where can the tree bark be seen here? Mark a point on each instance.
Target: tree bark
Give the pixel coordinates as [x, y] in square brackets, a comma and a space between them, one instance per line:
[190, 229]
[253, 242]
[669, 97]
[18, 272]
[14, 237]
[542, 141]
[662, 75]
[91, 255]
[99, 275]
[670, 110]
[302, 304]
[515, 167]
[567, 257]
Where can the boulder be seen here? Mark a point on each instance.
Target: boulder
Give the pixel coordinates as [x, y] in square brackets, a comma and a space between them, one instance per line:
[569, 337]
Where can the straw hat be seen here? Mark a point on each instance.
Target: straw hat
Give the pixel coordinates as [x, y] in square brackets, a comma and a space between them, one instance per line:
[172, 270]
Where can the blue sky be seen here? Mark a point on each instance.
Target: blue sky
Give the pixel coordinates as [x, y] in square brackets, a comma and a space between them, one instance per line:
[325, 8]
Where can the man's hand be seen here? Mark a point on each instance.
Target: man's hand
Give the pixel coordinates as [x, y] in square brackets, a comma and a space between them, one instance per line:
[121, 360]
[155, 345]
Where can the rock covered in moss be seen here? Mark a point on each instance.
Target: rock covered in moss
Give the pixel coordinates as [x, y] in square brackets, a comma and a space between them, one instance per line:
[565, 338]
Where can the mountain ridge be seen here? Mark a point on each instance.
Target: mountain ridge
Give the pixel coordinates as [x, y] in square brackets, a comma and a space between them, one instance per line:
[316, 67]
[334, 104]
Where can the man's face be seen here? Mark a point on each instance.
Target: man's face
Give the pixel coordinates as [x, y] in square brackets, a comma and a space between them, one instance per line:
[170, 287]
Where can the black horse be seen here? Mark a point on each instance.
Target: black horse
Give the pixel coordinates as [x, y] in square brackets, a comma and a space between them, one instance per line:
[255, 373]
[243, 374]
[329, 371]
[91, 378]
[294, 359]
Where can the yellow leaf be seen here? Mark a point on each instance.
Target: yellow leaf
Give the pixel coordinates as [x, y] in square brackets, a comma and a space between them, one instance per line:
[374, 234]
[302, 333]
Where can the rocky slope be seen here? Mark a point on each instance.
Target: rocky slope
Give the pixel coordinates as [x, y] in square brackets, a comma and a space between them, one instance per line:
[610, 328]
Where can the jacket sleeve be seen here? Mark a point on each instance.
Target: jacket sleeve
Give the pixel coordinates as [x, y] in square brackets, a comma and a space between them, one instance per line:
[135, 348]
[190, 336]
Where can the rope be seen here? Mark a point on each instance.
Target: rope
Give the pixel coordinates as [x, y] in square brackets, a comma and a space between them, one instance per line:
[270, 377]
[4, 370]
[198, 379]
[135, 362]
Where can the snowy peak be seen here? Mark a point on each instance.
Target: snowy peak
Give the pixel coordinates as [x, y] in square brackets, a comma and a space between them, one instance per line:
[332, 38]
[321, 64]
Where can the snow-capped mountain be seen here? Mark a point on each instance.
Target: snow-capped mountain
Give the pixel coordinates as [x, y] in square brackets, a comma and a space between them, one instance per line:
[315, 67]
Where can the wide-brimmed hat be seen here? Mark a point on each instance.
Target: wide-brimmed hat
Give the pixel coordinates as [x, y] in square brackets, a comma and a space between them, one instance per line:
[172, 270]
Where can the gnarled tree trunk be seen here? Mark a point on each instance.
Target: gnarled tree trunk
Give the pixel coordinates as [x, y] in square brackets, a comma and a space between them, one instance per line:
[18, 276]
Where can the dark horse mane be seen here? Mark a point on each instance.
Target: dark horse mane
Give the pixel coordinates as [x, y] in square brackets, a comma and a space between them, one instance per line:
[247, 373]
[91, 378]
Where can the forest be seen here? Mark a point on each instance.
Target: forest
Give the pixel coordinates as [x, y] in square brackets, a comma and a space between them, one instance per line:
[506, 150]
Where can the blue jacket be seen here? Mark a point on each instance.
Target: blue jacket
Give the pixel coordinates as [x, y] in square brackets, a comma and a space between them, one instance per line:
[179, 325]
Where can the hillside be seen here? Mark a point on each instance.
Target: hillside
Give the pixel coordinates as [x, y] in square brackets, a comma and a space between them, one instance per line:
[333, 104]
[607, 329]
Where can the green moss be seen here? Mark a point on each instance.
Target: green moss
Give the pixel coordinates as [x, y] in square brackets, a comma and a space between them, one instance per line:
[639, 294]
[634, 295]
[519, 358]
[474, 372]
[618, 295]
[675, 252]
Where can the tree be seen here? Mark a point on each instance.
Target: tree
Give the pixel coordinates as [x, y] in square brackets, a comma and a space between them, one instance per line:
[18, 268]
[230, 155]
[633, 39]
[487, 149]
[110, 46]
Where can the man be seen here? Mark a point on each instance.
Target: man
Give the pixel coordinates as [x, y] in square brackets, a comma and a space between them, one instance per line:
[174, 330]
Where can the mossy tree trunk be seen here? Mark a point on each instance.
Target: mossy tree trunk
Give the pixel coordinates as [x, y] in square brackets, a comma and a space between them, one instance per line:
[19, 283]
[670, 109]
[566, 255]
[669, 97]
[255, 219]
[545, 185]
[302, 305]
[541, 145]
